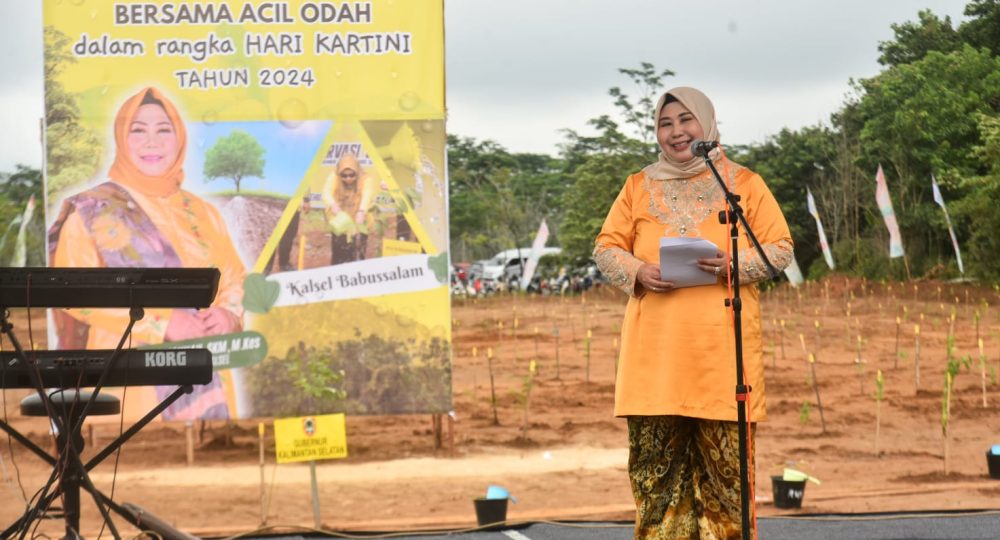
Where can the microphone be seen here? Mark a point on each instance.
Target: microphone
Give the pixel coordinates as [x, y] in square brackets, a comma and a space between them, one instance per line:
[701, 148]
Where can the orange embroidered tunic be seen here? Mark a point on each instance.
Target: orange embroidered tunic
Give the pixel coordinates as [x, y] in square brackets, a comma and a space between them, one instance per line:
[677, 355]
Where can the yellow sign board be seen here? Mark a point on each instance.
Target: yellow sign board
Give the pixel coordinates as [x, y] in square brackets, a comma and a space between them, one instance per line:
[310, 438]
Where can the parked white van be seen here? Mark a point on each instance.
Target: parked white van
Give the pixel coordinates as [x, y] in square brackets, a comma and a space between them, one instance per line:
[507, 265]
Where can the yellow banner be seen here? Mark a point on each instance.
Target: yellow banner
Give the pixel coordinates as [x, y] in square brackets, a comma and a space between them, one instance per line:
[298, 147]
[253, 60]
[310, 438]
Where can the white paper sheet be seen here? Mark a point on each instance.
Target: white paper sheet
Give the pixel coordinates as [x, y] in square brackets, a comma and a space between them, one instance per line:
[679, 261]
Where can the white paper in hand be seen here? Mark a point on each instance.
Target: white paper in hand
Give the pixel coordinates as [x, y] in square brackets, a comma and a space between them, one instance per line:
[679, 260]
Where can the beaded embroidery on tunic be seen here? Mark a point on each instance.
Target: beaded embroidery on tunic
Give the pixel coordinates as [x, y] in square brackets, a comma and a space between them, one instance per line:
[682, 204]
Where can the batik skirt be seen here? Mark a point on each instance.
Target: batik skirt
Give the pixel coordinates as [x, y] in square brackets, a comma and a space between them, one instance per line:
[685, 476]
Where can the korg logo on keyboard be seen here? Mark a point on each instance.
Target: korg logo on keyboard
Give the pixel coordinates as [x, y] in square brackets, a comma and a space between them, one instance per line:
[166, 358]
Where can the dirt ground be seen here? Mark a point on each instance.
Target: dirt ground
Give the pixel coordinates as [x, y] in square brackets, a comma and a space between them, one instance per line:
[564, 456]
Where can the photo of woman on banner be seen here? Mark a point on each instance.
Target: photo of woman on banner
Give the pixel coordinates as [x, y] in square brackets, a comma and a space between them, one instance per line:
[141, 217]
[348, 193]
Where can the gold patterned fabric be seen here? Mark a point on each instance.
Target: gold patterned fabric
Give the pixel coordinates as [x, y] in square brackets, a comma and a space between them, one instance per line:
[685, 478]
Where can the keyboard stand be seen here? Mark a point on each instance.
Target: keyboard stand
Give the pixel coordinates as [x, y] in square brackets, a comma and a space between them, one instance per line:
[72, 287]
[99, 497]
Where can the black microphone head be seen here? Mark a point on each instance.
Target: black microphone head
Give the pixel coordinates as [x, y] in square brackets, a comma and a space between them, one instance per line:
[701, 148]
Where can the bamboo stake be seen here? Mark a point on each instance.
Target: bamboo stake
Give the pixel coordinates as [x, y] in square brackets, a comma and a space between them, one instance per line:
[916, 357]
[536, 342]
[847, 324]
[896, 362]
[879, 395]
[819, 403]
[982, 365]
[945, 414]
[556, 332]
[819, 342]
[493, 391]
[859, 363]
[781, 340]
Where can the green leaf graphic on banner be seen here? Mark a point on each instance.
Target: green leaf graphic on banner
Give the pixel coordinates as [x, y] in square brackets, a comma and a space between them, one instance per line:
[439, 265]
[229, 351]
[259, 294]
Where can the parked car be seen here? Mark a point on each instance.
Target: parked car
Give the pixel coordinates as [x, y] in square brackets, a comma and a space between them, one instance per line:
[506, 267]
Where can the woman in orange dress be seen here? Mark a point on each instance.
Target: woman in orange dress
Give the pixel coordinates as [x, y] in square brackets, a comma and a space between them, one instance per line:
[676, 379]
[141, 217]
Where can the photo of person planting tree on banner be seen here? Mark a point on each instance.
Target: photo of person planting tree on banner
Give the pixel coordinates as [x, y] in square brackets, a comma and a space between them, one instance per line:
[326, 217]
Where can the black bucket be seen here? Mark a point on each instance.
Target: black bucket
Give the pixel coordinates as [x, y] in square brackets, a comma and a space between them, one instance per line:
[993, 462]
[491, 512]
[788, 493]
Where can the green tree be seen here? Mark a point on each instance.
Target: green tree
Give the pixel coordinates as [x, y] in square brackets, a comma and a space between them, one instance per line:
[982, 29]
[639, 115]
[921, 118]
[497, 199]
[978, 208]
[236, 156]
[597, 165]
[913, 40]
[789, 162]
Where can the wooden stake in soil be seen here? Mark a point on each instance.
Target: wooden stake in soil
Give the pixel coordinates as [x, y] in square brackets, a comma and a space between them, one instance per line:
[555, 331]
[314, 489]
[586, 345]
[263, 482]
[916, 358]
[815, 383]
[528, 384]
[861, 368]
[847, 324]
[945, 414]
[819, 342]
[879, 396]
[493, 390]
[781, 340]
[189, 440]
[895, 364]
[982, 365]
[536, 342]
[774, 349]
[975, 317]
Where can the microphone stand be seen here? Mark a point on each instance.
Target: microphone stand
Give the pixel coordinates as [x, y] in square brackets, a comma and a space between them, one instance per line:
[734, 216]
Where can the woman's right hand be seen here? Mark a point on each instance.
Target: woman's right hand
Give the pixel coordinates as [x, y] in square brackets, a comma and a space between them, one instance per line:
[184, 324]
[649, 277]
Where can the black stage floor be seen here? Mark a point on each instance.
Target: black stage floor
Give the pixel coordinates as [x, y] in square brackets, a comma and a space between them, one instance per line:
[965, 525]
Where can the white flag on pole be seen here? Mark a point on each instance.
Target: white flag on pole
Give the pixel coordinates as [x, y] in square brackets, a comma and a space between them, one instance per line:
[536, 253]
[888, 214]
[793, 273]
[20, 257]
[811, 203]
[951, 230]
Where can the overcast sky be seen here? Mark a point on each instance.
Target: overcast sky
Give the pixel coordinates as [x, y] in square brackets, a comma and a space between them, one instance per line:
[520, 71]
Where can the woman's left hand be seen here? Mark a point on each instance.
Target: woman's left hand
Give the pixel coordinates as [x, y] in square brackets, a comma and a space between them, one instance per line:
[219, 321]
[715, 265]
